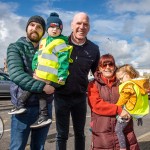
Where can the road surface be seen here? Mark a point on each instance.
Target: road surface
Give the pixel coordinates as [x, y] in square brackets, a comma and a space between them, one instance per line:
[5, 105]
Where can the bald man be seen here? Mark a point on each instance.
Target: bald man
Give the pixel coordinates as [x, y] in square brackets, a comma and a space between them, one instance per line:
[71, 98]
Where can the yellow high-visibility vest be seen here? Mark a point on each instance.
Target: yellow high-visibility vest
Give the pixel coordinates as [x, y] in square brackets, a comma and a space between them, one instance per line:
[48, 61]
[142, 105]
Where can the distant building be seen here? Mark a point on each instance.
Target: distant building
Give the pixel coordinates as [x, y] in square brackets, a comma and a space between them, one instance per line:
[143, 71]
[5, 66]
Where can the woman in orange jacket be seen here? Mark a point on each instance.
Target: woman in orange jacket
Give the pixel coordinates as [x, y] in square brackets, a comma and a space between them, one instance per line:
[103, 93]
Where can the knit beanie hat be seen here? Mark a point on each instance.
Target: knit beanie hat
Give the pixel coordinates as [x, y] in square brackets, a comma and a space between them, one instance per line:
[54, 20]
[37, 19]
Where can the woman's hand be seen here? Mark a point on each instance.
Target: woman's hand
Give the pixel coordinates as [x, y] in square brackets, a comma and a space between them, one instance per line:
[124, 114]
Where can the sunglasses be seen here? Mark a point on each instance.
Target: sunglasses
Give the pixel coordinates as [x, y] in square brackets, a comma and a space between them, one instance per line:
[109, 64]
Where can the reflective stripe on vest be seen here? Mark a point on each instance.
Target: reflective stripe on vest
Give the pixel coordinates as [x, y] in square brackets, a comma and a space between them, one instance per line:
[142, 105]
[48, 60]
[47, 69]
[60, 47]
[50, 57]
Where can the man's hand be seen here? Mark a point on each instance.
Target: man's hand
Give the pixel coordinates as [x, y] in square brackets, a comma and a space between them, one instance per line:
[48, 89]
[124, 114]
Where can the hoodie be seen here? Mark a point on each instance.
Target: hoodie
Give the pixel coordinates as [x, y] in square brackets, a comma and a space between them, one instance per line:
[129, 96]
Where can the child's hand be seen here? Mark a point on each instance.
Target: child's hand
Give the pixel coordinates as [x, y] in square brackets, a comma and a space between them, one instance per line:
[61, 81]
[124, 114]
[120, 120]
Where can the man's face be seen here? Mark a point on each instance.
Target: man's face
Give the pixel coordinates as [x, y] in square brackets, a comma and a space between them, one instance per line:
[80, 26]
[34, 32]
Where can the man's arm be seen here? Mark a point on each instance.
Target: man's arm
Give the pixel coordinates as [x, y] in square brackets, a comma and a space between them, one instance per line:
[17, 73]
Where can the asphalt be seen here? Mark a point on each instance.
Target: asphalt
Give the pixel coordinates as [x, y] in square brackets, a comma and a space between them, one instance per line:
[144, 141]
[142, 132]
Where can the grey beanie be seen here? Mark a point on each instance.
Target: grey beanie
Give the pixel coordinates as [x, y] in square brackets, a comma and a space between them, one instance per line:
[37, 19]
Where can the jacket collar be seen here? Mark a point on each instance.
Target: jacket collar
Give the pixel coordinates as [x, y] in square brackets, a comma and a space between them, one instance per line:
[74, 43]
[103, 80]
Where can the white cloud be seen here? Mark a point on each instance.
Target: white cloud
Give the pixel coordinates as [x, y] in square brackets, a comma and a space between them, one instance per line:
[135, 6]
[129, 33]
[11, 27]
[125, 35]
[3, 31]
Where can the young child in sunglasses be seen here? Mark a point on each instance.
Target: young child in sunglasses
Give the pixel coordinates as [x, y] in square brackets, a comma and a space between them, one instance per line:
[133, 98]
[50, 64]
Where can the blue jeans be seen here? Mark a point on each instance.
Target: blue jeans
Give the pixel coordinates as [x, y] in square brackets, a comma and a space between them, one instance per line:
[77, 107]
[20, 130]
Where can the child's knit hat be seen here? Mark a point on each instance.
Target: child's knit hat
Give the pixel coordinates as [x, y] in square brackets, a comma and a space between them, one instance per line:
[54, 20]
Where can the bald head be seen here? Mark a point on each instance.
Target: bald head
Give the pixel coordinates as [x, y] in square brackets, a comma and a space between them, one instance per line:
[80, 15]
[80, 27]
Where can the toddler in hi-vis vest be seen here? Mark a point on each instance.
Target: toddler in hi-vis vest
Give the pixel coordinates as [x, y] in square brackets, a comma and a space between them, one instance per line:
[133, 98]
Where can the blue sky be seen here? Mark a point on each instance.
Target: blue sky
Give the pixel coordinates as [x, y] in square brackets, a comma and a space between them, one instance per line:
[119, 27]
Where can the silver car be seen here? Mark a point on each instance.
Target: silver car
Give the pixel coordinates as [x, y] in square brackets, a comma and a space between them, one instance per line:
[4, 85]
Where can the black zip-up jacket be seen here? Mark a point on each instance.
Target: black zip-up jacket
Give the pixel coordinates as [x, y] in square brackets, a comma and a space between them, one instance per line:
[85, 58]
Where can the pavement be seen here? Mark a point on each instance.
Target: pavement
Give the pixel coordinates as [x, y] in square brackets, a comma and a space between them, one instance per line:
[142, 133]
[144, 141]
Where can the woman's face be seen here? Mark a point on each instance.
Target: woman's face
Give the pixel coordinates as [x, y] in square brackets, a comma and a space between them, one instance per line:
[107, 69]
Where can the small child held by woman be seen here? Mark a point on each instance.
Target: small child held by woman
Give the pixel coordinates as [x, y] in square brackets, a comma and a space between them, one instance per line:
[133, 98]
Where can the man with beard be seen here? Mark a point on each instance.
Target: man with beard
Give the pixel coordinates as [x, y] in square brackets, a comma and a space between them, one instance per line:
[19, 61]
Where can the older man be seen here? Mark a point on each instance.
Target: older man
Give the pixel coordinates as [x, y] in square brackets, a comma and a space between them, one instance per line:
[71, 98]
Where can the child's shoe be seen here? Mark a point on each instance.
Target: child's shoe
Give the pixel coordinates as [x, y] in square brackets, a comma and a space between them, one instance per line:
[17, 110]
[41, 122]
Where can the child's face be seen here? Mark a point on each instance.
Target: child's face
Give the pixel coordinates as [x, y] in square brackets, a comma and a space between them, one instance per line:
[54, 31]
[122, 76]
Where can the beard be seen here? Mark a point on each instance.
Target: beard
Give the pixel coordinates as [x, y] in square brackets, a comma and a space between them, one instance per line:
[34, 36]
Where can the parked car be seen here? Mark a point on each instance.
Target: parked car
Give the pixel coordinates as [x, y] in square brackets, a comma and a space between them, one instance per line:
[4, 85]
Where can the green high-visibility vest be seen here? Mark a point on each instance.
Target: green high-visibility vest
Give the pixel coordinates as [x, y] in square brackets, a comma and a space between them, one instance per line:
[142, 105]
[48, 62]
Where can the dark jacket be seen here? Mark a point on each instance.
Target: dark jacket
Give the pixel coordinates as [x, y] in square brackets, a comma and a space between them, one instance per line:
[19, 61]
[102, 99]
[84, 57]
